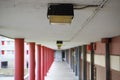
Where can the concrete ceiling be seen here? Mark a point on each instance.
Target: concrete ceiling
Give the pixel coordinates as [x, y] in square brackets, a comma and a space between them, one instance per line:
[28, 19]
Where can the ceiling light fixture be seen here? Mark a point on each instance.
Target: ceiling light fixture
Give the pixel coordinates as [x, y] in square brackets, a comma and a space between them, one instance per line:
[59, 44]
[60, 13]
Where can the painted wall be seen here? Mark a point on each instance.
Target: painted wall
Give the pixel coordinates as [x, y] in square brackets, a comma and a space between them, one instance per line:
[99, 60]
[114, 59]
[58, 55]
[115, 46]
[9, 52]
[10, 58]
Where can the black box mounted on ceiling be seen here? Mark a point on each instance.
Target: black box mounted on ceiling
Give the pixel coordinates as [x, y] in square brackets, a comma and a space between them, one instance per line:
[59, 42]
[60, 9]
[60, 13]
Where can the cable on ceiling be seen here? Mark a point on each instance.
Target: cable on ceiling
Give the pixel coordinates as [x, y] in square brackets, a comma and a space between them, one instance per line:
[79, 7]
[102, 4]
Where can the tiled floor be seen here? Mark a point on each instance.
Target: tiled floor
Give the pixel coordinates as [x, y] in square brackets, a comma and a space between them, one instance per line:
[60, 71]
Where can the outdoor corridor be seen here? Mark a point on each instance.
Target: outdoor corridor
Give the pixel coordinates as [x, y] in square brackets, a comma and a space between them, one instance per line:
[60, 71]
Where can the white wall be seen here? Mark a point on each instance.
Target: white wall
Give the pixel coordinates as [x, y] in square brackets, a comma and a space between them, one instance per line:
[58, 55]
[100, 60]
[9, 58]
[8, 55]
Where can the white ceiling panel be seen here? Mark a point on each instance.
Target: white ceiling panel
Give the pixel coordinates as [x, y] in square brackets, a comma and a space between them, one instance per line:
[28, 19]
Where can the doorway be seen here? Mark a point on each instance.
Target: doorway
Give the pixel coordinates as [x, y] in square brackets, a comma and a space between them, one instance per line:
[63, 55]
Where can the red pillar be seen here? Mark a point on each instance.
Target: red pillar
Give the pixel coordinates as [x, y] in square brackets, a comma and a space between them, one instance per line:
[38, 62]
[46, 61]
[32, 61]
[19, 59]
[42, 63]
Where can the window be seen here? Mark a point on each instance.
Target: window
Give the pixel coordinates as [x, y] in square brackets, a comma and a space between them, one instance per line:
[3, 43]
[2, 52]
[27, 51]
